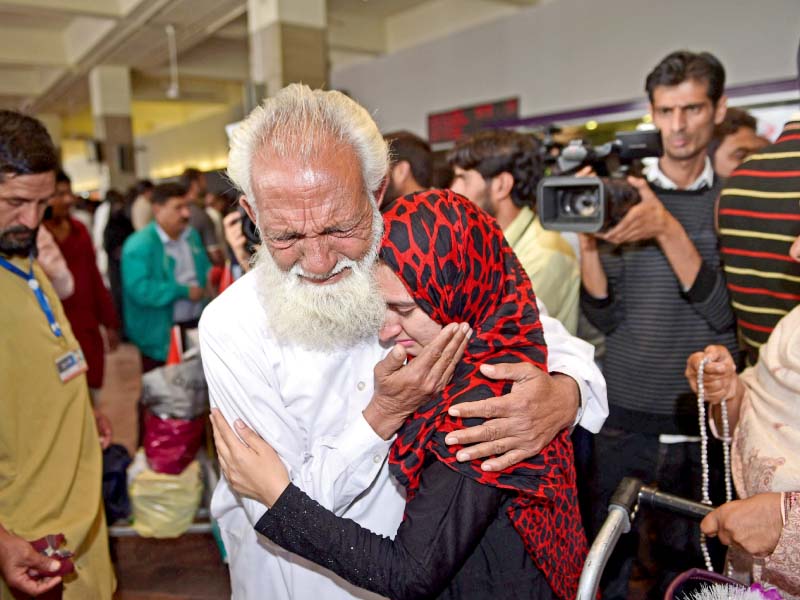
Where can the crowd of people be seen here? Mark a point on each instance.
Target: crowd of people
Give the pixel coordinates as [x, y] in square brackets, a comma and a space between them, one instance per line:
[398, 373]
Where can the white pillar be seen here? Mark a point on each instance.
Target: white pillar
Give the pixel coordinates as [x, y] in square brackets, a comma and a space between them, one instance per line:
[287, 43]
[110, 93]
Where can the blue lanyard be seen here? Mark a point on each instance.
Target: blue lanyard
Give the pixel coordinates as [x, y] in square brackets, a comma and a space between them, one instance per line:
[37, 291]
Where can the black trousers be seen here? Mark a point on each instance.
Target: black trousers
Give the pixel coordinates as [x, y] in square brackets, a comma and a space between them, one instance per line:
[672, 543]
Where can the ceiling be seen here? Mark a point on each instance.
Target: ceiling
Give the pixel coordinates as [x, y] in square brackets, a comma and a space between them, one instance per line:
[48, 48]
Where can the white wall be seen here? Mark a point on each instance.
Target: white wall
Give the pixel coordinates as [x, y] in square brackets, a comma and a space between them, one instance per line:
[201, 143]
[567, 54]
[354, 38]
[437, 18]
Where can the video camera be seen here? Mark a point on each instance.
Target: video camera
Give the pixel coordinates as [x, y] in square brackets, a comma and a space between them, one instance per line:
[592, 204]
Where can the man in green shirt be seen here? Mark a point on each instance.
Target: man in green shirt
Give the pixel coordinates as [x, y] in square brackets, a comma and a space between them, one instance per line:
[499, 171]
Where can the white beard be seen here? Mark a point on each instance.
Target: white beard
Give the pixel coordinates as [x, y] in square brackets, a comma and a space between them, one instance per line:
[322, 317]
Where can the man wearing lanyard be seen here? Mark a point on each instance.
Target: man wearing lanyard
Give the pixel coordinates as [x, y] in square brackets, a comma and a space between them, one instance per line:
[50, 459]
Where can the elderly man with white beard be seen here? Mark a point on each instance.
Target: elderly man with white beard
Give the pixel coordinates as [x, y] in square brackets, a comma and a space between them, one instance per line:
[292, 347]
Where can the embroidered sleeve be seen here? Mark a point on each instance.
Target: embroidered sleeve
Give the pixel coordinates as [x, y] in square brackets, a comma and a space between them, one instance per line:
[782, 567]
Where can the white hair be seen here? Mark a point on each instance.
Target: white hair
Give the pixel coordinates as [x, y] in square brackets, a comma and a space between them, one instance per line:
[292, 123]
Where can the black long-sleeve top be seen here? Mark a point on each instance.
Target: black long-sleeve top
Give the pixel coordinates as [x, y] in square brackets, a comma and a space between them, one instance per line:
[455, 541]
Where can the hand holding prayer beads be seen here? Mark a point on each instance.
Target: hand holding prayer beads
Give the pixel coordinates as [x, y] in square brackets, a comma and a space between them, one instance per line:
[700, 388]
[719, 374]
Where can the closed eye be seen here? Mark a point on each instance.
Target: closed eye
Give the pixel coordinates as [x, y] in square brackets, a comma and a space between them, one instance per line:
[403, 310]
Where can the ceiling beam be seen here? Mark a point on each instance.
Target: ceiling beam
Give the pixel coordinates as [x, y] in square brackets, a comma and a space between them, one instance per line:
[83, 34]
[355, 33]
[520, 3]
[190, 35]
[18, 82]
[16, 47]
[86, 8]
[122, 31]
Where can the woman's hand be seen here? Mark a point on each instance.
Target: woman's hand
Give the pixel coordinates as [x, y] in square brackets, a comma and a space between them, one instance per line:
[753, 524]
[720, 381]
[250, 464]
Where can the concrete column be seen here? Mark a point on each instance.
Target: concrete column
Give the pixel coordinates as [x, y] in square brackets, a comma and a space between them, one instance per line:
[287, 43]
[110, 92]
[52, 122]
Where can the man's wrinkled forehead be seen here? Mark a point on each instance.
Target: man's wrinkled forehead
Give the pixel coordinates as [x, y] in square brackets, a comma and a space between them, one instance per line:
[31, 187]
[334, 164]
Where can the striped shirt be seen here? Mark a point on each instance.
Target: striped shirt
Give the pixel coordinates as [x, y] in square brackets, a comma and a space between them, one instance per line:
[652, 325]
[758, 219]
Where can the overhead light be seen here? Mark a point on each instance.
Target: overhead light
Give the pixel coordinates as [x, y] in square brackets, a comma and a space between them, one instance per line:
[173, 90]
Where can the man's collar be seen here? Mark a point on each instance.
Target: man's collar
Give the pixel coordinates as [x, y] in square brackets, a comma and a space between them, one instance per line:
[657, 177]
[165, 239]
[522, 219]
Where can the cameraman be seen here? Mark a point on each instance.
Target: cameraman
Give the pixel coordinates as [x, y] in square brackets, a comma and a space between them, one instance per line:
[499, 171]
[653, 284]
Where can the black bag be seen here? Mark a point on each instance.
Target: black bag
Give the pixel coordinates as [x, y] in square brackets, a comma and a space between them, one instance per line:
[115, 483]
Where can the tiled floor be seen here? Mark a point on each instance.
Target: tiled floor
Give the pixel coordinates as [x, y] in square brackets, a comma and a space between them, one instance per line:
[185, 568]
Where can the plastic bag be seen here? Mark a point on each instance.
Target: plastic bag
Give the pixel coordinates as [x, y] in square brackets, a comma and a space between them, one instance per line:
[164, 506]
[177, 391]
[171, 444]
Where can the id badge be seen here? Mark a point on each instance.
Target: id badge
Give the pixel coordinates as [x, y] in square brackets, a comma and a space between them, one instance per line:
[70, 365]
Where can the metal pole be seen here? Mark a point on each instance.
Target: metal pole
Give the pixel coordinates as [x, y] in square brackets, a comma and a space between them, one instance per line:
[617, 523]
[652, 498]
[621, 510]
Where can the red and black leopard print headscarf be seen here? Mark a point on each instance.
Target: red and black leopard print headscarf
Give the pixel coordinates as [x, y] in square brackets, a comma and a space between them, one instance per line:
[456, 264]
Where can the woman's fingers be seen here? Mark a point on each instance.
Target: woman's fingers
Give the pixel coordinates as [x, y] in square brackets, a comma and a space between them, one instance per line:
[444, 353]
[220, 427]
[250, 438]
[451, 367]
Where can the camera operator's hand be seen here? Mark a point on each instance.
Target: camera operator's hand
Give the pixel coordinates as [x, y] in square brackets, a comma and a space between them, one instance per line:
[646, 220]
[587, 243]
[587, 171]
[593, 276]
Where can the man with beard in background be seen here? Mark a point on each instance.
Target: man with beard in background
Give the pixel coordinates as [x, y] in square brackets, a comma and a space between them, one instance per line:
[411, 166]
[50, 458]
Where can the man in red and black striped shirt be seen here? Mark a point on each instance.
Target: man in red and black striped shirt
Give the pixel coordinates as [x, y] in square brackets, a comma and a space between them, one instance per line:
[759, 218]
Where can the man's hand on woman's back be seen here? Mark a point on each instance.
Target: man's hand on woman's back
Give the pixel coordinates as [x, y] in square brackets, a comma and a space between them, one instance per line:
[519, 424]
